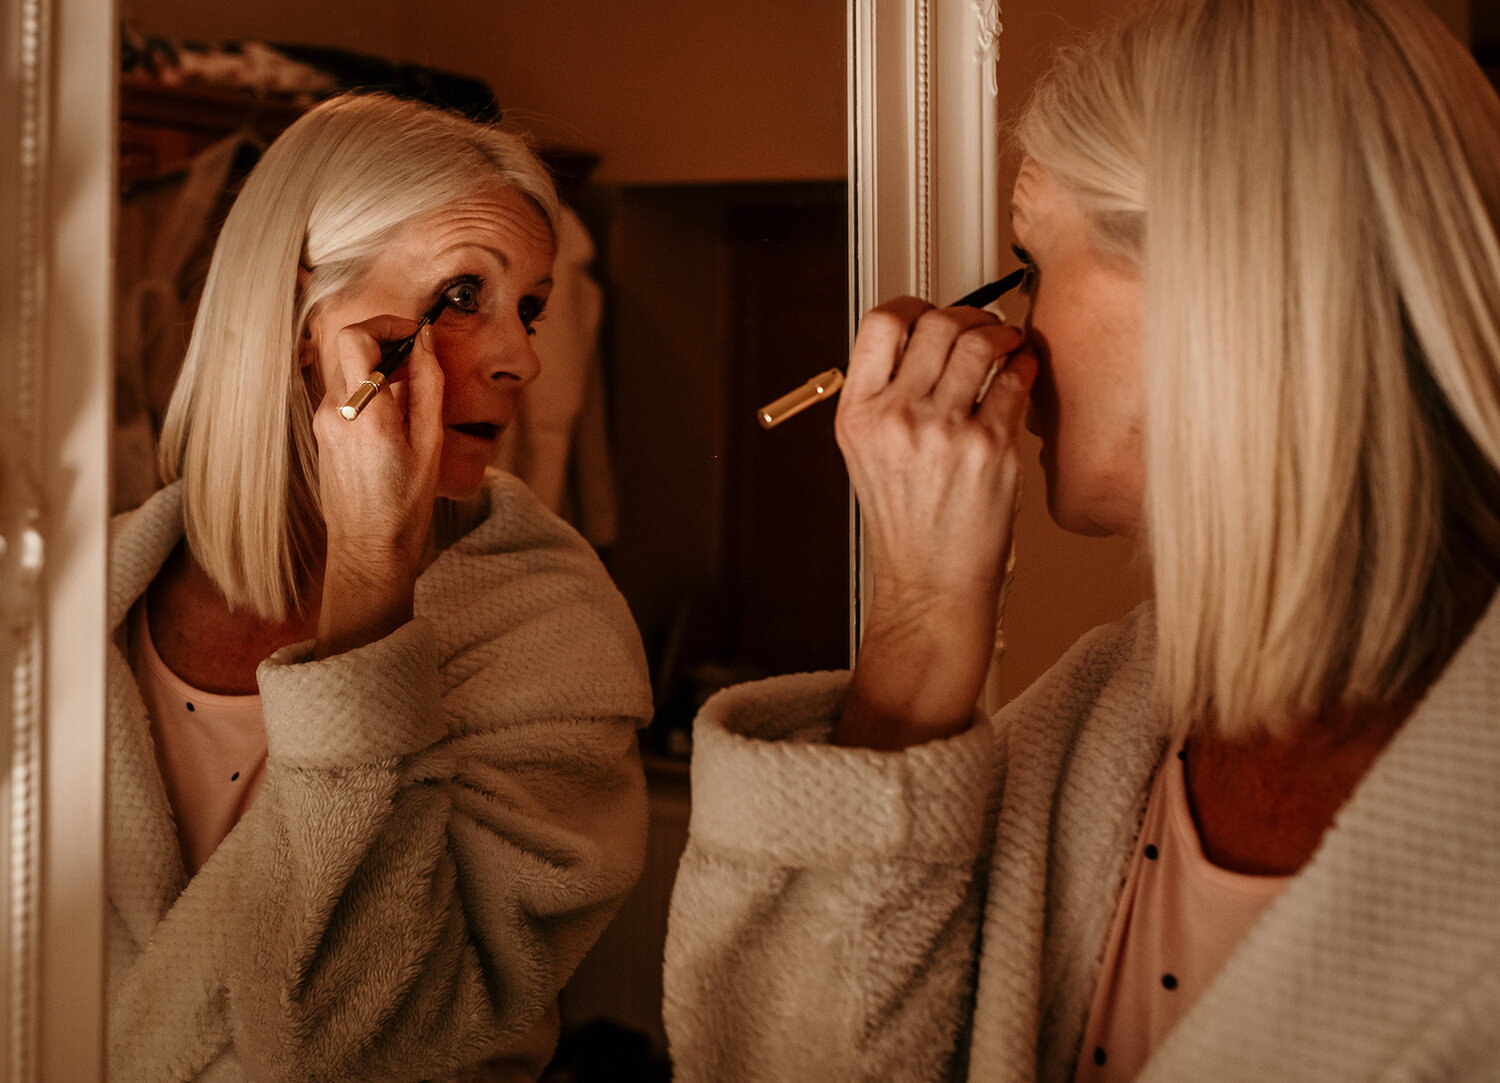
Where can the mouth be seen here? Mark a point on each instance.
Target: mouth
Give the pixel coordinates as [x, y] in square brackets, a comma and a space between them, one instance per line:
[483, 430]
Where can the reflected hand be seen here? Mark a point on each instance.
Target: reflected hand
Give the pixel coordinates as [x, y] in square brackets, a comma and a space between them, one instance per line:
[937, 477]
[377, 480]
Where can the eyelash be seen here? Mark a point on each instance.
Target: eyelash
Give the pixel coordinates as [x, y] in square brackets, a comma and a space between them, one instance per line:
[1028, 283]
[474, 281]
[536, 307]
[530, 309]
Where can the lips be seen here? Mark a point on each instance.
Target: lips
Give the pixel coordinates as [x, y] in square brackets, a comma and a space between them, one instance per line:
[483, 430]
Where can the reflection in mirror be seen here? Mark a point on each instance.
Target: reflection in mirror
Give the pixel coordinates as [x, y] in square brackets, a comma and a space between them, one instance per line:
[707, 269]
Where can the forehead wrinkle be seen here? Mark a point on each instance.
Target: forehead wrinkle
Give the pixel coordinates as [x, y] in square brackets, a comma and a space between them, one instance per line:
[459, 246]
[508, 216]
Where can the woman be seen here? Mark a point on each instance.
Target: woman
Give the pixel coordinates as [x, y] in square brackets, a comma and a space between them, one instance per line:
[375, 787]
[1249, 832]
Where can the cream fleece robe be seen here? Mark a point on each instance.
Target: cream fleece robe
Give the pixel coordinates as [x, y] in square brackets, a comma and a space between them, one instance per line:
[450, 817]
[940, 913]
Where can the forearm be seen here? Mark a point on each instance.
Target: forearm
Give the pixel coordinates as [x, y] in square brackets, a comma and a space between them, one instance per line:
[420, 909]
[862, 974]
[838, 886]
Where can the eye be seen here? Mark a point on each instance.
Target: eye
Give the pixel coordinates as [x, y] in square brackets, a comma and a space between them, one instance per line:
[1028, 283]
[530, 311]
[463, 293]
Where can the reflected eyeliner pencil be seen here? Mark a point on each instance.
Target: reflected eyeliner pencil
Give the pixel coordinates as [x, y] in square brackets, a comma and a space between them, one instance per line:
[391, 357]
[826, 384]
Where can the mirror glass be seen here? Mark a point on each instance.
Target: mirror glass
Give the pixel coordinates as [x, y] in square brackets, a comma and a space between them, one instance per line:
[703, 148]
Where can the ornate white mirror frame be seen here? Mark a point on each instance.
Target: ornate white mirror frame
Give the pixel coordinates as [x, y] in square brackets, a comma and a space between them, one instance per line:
[58, 63]
[923, 128]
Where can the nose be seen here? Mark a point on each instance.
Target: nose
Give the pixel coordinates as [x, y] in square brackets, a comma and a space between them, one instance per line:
[516, 361]
[498, 354]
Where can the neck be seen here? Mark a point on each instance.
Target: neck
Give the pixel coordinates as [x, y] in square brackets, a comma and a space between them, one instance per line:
[208, 644]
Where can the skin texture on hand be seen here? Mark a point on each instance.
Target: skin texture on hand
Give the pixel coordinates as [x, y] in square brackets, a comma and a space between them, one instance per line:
[378, 481]
[936, 476]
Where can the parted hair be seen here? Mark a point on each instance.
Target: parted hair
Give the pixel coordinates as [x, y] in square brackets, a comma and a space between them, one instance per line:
[327, 196]
[1310, 190]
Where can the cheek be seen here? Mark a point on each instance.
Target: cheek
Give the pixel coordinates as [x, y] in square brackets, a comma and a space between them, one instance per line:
[463, 350]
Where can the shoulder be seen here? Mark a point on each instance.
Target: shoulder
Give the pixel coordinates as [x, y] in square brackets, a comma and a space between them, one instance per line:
[1113, 664]
[140, 540]
[1095, 710]
[524, 595]
[519, 545]
[517, 522]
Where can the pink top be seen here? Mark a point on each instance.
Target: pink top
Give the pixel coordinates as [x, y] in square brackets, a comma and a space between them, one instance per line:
[1179, 919]
[210, 749]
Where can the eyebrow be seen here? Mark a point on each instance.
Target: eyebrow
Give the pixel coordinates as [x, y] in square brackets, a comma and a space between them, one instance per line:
[500, 256]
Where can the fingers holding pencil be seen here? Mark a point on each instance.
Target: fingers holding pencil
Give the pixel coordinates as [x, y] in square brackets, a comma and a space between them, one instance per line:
[827, 384]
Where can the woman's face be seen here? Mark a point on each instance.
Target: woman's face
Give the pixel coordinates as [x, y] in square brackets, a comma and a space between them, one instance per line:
[1084, 329]
[491, 256]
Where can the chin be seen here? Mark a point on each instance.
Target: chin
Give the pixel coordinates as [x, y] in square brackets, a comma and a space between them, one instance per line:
[461, 485]
[1078, 517]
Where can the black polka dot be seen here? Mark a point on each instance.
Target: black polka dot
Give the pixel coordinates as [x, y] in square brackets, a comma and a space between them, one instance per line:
[191, 707]
[1099, 1057]
[1169, 981]
[234, 777]
[1151, 852]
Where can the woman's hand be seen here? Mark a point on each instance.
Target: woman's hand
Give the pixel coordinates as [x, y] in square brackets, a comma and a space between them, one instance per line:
[937, 478]
[377, 481]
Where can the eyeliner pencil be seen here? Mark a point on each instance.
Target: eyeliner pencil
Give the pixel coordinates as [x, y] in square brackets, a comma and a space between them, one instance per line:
[391, 357]
[826, 384]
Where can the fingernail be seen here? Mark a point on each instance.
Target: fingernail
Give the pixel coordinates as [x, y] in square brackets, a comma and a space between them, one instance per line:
[427, 338]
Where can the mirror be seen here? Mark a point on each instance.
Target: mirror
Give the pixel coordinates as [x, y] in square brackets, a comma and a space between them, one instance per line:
[715, 200]
[702, 198]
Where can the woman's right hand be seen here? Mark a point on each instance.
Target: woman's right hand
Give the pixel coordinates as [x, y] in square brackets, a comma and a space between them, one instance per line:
[377, 478]
[937, 478]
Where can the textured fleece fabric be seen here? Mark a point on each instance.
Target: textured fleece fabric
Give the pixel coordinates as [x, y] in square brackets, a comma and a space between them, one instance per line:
[450, 817]
[941, 913]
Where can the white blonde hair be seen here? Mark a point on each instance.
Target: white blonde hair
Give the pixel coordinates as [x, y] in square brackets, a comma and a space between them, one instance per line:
[326, 196]
[1310, 191]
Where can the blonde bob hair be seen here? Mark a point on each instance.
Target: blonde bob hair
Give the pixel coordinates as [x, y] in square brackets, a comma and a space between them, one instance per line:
[326, 196]
[1309, 189]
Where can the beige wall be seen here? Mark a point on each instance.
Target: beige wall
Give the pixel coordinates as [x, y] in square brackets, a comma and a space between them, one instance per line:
[665, 92]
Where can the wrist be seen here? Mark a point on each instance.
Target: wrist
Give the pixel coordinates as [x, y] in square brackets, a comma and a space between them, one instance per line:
[363, 601]
[917, 680]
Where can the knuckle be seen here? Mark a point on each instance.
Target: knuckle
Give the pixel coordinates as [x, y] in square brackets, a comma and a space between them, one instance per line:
[942, 319]
[882, 322]
[976, 345]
